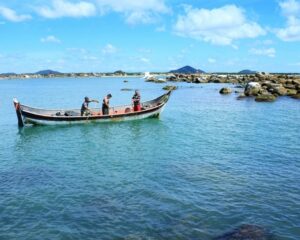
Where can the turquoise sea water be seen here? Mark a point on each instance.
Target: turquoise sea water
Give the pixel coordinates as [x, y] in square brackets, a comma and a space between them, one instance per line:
[208, 165]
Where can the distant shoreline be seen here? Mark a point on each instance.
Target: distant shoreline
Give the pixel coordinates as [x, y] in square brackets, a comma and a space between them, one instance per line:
[139, 75]
[22, 77]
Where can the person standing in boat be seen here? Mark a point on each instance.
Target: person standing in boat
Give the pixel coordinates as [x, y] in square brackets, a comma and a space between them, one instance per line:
[85, 111]
[105, 104]
[136, 99]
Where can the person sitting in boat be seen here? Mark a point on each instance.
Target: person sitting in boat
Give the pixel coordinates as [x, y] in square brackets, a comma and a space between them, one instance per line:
[85, 111]
[136, 99]
[105, 104]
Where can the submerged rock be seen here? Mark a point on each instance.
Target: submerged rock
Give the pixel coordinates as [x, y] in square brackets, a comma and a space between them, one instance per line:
[169, 88]
[265, 98]
[225, 91]
[247, 232]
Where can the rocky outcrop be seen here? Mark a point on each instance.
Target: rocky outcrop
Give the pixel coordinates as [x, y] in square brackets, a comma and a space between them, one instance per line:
[155, 80]
[291, 92]
[253, 89]
[241, 96]
[225, 91]
[170, 88]
[263, 86]
[266, 97]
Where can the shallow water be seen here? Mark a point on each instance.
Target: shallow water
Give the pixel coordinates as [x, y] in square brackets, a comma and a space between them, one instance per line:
[208, 165]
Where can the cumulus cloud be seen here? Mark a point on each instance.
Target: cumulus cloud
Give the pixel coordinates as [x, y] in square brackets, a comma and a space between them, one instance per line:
[220, 26]
[109, 49]
[145, 11]
[269, 52]
[291, 10]
[290, 7]
[64, 8]
[12, 16]
[50, 39]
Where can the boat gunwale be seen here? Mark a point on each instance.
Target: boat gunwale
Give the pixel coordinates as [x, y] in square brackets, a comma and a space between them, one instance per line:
[93, 117]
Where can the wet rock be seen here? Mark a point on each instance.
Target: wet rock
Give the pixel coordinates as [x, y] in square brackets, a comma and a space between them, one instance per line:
[170, 88]
[155, 80]
[265, 98]
[151, 79]
[247, 232]
[241, 96]
[296, 96]
[200, 80]
[290, 86]
[291, 92]
[225, 91]
[160, 81]
[280, 91]
[252, 89]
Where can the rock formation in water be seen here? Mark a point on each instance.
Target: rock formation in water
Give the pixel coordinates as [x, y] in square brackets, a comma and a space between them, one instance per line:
[225, 90]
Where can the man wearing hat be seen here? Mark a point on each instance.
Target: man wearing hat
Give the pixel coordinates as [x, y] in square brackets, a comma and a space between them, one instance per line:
[85, 111]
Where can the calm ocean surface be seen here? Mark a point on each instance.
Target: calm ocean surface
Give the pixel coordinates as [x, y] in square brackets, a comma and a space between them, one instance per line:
[208, 165]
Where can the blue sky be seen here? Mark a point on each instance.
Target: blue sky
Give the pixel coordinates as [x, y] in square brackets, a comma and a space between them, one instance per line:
[149, 35]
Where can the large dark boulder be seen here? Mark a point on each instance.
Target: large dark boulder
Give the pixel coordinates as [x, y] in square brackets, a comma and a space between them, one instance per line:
[170, 88]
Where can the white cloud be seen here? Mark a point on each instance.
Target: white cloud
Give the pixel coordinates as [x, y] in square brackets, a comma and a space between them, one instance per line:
[211, 60]
[145, 11]
[109, 49]
[290, 7]
[291, 10]
[144, 60]
[12, 16]
[220, 26]
[269, 52]
[64, 8]
[50, 39]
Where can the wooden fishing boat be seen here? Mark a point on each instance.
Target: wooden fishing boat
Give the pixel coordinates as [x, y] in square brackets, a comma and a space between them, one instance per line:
[29, 115]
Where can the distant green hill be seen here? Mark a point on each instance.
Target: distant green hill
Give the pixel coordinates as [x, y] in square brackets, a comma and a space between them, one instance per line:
[187, 70]
[247, 71]
[47, 72]
[7, 74]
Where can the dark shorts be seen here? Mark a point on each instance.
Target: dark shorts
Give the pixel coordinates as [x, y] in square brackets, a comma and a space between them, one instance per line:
[105, 110]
